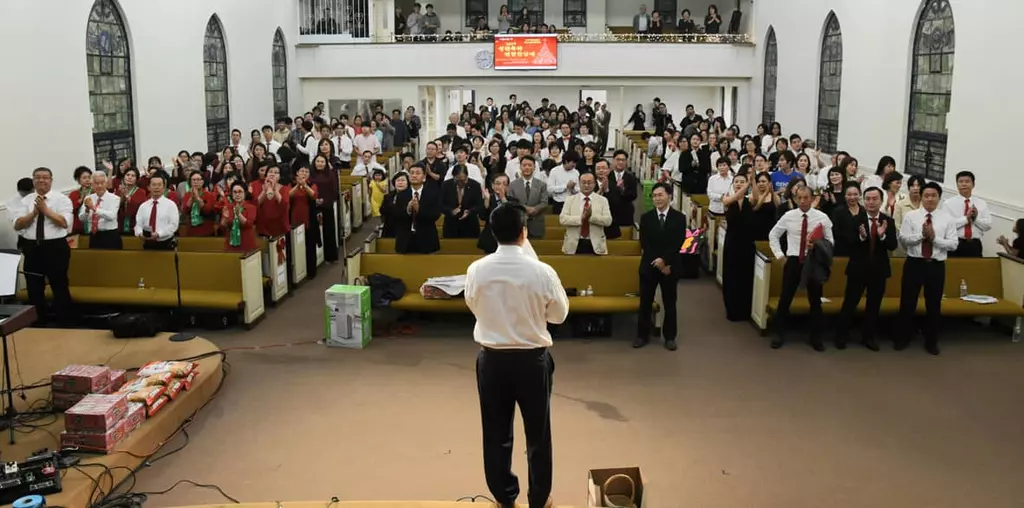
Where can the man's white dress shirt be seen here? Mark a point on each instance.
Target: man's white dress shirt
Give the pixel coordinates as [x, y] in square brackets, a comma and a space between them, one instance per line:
[343, 148]
[512, 168]
[241, 150]
[558, 183]
[308, 146]
[957, 205]
[57, 202]
[912, 233]
[109, 206]
[272, 146]
[167, 219]
[718, 188]
[362, 169]
[472, 170]
[791, 225]
[514, 296]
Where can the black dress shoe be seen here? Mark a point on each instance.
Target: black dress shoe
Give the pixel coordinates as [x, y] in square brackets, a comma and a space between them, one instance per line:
[818, 345]
[777, 342]
[932, 348]
[639, 342]
[840, 344]
[670, 345]
[871, 344]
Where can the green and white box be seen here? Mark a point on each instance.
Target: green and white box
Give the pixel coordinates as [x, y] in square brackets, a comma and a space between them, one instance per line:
[347, 317]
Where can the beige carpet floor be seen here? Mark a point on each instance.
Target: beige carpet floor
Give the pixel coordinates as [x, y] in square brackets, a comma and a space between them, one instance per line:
[722, 422]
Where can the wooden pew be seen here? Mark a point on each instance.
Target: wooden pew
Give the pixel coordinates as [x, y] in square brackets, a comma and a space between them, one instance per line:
[210, 281]
[613, 278]
[997, 277]
[468, 246]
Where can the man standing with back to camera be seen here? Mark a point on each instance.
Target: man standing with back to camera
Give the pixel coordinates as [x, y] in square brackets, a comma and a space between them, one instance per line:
[513, 296]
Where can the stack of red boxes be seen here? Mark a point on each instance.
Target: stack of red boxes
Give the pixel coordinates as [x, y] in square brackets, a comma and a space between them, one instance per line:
[72, 383]
[99, 421]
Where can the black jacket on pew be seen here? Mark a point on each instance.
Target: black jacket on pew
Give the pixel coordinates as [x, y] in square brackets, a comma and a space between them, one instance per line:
[423, 238]
[862, 263]
[472, 201]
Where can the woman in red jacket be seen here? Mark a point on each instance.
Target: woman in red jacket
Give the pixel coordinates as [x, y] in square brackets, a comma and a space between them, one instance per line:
[132, 196]
[303, 210]
[239, 221]
[83, 176]
[272, 203]
[199, 207]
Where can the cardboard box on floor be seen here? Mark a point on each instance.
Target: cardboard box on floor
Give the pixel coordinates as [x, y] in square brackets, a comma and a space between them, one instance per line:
[347, 316]
[598, 477]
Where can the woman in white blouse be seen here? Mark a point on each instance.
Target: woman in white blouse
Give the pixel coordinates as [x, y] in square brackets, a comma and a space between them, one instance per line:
[719, 186]
[886, 165]
[585, 134]
[892, 193]
[768, 140]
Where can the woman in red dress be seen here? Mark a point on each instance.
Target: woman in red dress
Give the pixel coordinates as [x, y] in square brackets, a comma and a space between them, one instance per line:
[272, 203]
[199, 208]
[132, 196]
[302, 203]
[238, 220]
[83, 176]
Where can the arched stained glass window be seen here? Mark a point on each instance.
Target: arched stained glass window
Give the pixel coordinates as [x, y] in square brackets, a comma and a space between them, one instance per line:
[110, 83]
[771, 77]
[280, 63]
[830, 85]
[931, 87]
[215, 71]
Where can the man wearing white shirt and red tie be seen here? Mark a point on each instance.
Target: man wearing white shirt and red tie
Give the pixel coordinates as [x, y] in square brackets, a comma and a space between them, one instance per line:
[99, 215]
[928, 235]
[44, 228]
[240, 148]
[513, 296]
[971, 217]
[798, 226]
[585, 215]
[157, 219]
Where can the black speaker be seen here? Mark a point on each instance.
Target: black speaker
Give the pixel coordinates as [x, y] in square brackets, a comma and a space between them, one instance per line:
[129, 325]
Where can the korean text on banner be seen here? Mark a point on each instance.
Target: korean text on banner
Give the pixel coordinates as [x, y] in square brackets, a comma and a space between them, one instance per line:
[525, 51]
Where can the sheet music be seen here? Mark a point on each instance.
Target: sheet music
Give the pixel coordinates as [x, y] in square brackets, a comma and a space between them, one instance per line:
[9, 273]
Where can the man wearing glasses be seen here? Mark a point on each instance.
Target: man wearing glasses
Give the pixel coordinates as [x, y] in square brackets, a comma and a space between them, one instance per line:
[44, 227]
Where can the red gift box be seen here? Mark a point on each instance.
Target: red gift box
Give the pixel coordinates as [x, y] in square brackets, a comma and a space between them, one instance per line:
[80, 379]
[64, 401]
[96, 413]
[117, 379]
[102, 442]
[136, 415]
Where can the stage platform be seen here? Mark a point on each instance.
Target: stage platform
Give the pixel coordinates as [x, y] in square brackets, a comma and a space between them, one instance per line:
[37, 353]
[361, 504]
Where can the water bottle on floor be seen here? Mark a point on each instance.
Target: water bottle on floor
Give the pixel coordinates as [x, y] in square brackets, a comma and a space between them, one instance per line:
[1017, 330]
[590, 290]
[963, 288]
[142, 283]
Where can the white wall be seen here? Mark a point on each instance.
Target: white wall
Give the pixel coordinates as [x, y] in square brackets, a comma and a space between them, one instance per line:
[166, 41]
[877, 47]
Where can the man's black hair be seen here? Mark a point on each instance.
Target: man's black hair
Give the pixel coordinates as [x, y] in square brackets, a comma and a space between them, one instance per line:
[507, 222]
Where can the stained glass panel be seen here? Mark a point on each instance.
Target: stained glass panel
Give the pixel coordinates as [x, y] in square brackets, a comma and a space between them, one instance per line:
[830, 85]
[771, 77]
[108, 65]
[215, 64]
[280, 76]
[931, 90]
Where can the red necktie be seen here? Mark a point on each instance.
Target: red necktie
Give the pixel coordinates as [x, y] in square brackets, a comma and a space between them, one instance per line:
[871, 235]
[926, 245]
[585, 226]
[94, 221]
[803, 239]
[967, 211]
[152, 218]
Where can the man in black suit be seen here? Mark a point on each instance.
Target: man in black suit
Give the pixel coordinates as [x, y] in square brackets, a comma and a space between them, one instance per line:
[626, 184]
[461, 202]
[416, 228]
[434, 164]
[868, 267]
[662, 232]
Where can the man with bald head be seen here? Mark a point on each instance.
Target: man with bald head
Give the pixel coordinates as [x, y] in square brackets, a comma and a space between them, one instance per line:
[585, 215]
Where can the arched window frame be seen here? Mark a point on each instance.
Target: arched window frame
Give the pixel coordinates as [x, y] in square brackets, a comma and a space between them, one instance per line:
[279, 63]
[931, 90]
[215, 72]
[108, 64]
[771, 77]
[830, 84]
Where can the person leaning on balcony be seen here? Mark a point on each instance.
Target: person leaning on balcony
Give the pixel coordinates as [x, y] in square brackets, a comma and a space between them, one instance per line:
[685, 24]
[414, 21]
[431, 21]
[642, 21]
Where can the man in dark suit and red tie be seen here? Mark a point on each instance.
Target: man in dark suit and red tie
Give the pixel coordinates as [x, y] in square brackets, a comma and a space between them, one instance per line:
[874, 237]
[662, 233]
[416, 228]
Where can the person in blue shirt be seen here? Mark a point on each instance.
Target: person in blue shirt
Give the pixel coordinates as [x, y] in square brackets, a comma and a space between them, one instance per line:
[785, 173]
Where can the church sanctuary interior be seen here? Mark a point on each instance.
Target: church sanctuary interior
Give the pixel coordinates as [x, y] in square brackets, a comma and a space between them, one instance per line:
[511, 253]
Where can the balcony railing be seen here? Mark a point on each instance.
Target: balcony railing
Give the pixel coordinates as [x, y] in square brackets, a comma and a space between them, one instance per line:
[334, 21]
[316, 38]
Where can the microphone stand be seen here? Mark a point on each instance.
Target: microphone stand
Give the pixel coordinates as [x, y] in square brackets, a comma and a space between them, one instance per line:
[180, 336]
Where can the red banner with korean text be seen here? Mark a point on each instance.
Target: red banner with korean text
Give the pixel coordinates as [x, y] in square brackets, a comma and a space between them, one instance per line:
[525, 51]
